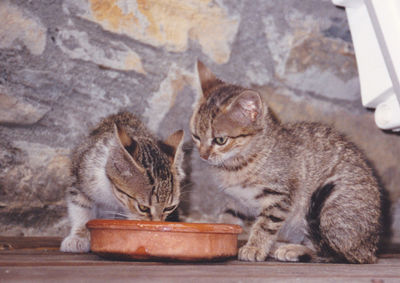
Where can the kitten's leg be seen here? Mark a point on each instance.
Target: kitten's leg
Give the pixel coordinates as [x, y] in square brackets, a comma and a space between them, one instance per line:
[264, 232]
[291, 252]
[80, 211]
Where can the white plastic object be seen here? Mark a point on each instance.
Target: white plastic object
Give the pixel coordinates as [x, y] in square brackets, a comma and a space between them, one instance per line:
[387, 114]
[375, 30]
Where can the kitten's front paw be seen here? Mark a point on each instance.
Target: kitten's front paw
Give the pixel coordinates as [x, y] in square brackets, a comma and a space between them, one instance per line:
[252, 253]
[75, 244]
[293, 252]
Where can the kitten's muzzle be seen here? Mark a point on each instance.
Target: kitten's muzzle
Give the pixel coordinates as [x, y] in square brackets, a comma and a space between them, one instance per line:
[204, 153]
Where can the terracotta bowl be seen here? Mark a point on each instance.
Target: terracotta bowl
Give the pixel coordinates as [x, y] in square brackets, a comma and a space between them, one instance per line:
[152, 240]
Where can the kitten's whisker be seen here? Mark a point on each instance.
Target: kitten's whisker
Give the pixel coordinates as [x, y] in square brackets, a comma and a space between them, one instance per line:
[113, 214]
[187, 146]
[108, 212]
[185, 193]
[187, 185]
[184, 197]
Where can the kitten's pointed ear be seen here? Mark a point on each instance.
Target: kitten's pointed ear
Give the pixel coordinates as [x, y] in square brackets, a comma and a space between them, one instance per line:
[207, 79]
[246, 108]
[127, 142]
[123, 159]
[172, 145]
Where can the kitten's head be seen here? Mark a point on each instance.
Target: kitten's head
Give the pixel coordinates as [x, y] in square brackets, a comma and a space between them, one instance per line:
[226, 120]
[146, 174]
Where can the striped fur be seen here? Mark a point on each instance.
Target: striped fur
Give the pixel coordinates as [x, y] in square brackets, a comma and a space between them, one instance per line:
[312, 193]
[122, 170]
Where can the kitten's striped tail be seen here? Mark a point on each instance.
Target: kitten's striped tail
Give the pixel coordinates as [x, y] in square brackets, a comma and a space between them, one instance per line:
[318, 199]
[317, 202]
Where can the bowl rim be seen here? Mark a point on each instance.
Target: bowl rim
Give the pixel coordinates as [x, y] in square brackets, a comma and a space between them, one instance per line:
[185, 227]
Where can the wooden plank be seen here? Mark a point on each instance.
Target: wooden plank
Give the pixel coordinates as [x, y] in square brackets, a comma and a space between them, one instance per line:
[188, 273]
[15, 243]
[38, 259]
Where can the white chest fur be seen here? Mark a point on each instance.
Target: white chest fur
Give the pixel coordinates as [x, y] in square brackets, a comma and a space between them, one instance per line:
[99, 184]
[294, 229]
[246, 196]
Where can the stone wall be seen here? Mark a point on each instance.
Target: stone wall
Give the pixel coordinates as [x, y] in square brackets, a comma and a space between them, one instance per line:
[66, 64]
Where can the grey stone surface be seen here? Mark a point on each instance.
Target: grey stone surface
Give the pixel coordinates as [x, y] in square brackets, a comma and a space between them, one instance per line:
[66, 64]
[15, 112]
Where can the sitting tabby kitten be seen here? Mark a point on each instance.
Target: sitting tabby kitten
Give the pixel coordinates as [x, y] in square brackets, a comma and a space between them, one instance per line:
[310, 190]
[122, 168]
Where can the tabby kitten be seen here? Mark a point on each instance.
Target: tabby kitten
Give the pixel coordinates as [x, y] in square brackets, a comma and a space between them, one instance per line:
[311, 192]
[120, 168]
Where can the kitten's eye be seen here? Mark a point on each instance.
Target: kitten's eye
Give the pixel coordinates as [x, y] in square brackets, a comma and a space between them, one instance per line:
[144, 208]
[220, 140]
[195, 137]
[170, 208]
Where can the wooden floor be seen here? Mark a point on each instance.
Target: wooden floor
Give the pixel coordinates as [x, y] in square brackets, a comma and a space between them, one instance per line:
[38, 260]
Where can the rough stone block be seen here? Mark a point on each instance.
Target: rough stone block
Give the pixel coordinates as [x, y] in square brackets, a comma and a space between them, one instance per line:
[64, 65]
[169, 24]
[20, 26]
[13, 111]
[108, 54]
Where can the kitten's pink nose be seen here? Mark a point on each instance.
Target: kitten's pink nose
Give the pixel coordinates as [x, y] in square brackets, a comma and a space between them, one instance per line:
[204, 153]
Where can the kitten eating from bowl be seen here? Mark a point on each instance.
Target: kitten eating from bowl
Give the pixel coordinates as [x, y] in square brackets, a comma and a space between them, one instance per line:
[121, 168]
